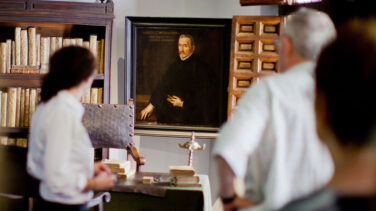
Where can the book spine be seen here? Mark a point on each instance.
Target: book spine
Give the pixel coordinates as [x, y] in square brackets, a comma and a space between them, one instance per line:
[93, 95]
[73, 41]
[3, 57]
[100, 95]
[39, 90]
[24, 47]
[93, 44]
[33, 97]
[11, 142]
[101, 61]
[17, 41]
[32, 46]
[13, 53]
[66, 42]
[21, 142]
[18, 106]
[0, 105]
[44, 54]
[4, 100]
[86, 44]
[11, 107]
[22, 108]
[52, 45]
[86, 97]
[59, 43]
[99, 55]
[3, 140]
[79, 42]
[9, 55]
[38, 49]
[27, 107]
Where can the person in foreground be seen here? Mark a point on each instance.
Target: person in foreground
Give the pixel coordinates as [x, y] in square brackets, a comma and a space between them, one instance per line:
[270, 138]
[59, 153]
[345, 112]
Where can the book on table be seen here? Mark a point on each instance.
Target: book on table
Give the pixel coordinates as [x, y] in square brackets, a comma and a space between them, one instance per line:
[184, 176]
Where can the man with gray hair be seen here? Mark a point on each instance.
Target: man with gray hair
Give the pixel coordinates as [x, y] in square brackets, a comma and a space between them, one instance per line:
[270, 139]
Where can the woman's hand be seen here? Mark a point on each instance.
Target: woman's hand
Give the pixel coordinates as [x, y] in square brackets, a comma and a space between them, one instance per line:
[102, 181]
[100, 167]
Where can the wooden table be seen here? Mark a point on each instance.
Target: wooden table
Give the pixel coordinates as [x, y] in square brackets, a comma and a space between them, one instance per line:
[132, 195]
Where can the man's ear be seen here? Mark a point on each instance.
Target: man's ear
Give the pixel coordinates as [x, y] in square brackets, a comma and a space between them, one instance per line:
[287, 45]
[193, 48]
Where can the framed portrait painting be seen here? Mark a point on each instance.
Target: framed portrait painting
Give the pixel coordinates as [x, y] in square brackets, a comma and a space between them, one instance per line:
[177, 72]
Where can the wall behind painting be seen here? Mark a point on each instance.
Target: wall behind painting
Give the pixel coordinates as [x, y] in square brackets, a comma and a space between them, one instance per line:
[161, 152]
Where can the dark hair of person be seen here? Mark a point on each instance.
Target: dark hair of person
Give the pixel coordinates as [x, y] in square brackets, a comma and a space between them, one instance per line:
[69, 66]
[346, 78]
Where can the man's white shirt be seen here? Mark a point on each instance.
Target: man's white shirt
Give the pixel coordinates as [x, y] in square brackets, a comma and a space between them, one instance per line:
[270, 139]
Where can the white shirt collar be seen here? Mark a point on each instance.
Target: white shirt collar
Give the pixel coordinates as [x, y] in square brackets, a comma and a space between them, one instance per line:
[72, 102]
[308, 66]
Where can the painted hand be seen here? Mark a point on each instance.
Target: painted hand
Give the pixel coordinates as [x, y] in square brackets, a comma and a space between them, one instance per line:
[175, 101]
[146, 112]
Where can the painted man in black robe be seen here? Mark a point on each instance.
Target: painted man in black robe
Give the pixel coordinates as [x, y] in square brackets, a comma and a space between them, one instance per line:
[185, 94]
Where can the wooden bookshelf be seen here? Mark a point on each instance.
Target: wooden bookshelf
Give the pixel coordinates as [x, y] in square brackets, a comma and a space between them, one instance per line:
[56, 19]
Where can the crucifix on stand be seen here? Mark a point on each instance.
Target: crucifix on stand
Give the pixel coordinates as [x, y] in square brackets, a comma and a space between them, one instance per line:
[191, 146]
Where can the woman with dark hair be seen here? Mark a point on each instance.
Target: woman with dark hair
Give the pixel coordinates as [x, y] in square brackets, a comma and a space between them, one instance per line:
[345, 115]
[59, 153]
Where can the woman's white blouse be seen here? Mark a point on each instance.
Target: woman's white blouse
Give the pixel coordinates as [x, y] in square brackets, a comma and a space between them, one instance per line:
[60, 151]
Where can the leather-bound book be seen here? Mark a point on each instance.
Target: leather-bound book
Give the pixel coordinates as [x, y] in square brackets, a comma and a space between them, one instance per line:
[79, 42]
[24, 48]
[4, 103]
[3, 57]
[37, 43]
[94, 95]
[44, 54]
[93, 44]
[66, 42]
[59, 43]
[9, 54]
[100, 95]
[11, 107]
[52, 45]
[33, 98]
[18, 106]
[32, 46]
[22, 108]
[17, 42]
[86, 44]
[27, 107]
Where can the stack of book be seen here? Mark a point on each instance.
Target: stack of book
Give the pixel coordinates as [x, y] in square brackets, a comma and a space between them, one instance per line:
[184, 176]
[11, 141]
[29, 52]
[17, 105]
[94, 96]
[122, 168]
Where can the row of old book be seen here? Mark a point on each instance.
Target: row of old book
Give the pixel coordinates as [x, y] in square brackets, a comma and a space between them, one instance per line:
[184, 176]
[17, 104]
[8, 141]
[95, 96]
[122, 168]
[29, 53]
